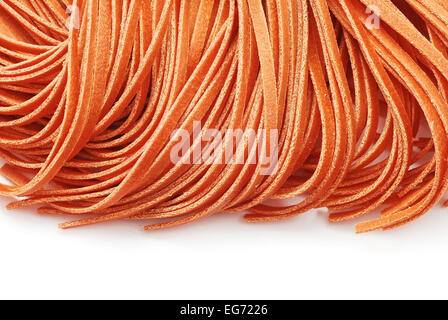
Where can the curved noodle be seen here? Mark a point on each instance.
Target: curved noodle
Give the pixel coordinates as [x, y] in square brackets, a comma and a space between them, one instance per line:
[172, 110]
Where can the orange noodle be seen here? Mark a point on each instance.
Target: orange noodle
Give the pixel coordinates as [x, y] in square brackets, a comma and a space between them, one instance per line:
[347, 99]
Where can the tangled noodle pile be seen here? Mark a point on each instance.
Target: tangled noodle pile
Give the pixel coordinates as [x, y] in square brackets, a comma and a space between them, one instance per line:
[91, 92]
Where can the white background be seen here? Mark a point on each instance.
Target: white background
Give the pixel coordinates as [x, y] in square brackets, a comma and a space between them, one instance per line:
[221, 258]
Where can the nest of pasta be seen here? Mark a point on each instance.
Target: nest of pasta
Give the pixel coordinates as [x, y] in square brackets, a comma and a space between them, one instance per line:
[91, 92]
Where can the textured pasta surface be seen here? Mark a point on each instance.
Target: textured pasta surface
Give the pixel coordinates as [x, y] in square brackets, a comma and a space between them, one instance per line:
[169, 111]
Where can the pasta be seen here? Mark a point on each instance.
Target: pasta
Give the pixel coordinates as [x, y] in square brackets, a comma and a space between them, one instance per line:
[345, 102]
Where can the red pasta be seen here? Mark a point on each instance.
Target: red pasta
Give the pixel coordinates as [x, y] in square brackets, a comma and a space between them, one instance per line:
[170, 111]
